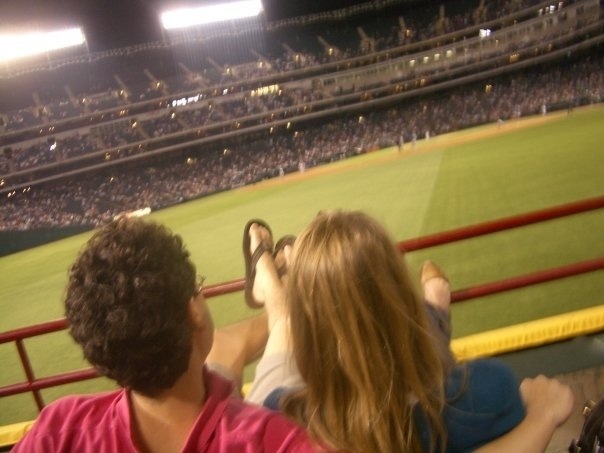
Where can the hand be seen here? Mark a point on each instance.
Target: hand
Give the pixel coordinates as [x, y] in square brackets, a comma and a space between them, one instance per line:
[545, 397]
[548, 404]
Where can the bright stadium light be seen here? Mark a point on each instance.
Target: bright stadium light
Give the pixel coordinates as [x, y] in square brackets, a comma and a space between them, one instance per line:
[189, 17]
[16, 46]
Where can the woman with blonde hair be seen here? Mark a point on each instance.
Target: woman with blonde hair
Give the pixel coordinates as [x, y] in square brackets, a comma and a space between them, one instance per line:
[360, 338]
[354, 354]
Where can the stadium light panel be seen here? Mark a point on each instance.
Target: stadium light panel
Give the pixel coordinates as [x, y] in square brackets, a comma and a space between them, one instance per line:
[189, 17]
[15, 46]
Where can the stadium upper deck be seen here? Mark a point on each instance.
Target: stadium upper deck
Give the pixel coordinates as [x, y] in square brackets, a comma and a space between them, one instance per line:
[111, 80]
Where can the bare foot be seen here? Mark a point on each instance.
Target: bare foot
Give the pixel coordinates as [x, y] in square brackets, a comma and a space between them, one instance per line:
[282, 254]
[258, 235]
[267, 288]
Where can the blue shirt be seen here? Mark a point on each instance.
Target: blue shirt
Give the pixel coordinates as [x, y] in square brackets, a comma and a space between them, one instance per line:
[483, 403]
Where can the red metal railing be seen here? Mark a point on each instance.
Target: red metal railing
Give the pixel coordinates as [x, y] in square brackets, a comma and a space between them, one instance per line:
[34, 385]
[505, 223]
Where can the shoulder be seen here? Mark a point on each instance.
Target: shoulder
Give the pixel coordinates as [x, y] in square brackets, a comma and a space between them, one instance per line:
[229, 423]
[78, 422]
[75, 407]
[268, 430]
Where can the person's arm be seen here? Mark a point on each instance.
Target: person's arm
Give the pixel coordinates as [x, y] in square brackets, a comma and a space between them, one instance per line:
[548, 404]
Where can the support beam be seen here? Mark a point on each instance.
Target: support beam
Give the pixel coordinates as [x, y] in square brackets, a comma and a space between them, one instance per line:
[122, 85]
[157, 84]
[216, 65]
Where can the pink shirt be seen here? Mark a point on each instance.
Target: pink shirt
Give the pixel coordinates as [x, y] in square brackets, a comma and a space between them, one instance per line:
[102, 423]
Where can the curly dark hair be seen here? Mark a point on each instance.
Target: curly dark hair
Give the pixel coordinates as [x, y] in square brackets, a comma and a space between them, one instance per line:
[127, 304]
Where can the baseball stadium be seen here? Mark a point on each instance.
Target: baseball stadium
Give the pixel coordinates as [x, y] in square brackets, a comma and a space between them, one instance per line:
[471, 130]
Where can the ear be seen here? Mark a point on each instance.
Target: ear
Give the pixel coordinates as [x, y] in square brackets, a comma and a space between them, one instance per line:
[197, 313]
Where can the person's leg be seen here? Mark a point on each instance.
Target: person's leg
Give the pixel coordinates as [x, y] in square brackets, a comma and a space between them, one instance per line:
[237, 345]
[276, 367]
[267, 286]
[437, 295]
[436, 286]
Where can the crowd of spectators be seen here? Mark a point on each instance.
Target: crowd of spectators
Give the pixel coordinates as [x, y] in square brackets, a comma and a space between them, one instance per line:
[202, 171]
[122, 133]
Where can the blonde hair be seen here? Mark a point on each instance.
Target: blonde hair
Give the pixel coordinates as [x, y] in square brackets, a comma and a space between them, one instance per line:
[361, 340]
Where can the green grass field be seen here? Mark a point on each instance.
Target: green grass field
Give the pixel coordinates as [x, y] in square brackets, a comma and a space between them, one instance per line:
[447, 182]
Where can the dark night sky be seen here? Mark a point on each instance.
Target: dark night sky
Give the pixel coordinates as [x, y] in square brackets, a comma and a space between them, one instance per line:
[118, 23]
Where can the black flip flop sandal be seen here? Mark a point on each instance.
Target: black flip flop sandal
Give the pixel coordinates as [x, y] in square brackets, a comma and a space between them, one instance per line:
[286, 240]
[251, 259]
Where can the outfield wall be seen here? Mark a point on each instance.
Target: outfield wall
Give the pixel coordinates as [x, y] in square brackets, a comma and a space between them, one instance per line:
[17, 241]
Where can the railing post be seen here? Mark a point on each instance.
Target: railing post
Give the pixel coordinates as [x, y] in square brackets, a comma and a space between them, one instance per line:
[29, 372]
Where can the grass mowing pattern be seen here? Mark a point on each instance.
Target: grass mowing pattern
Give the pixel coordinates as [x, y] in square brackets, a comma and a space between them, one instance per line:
[447, 182]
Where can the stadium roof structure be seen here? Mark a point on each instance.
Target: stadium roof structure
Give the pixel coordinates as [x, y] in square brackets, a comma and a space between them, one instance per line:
[115, 24]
